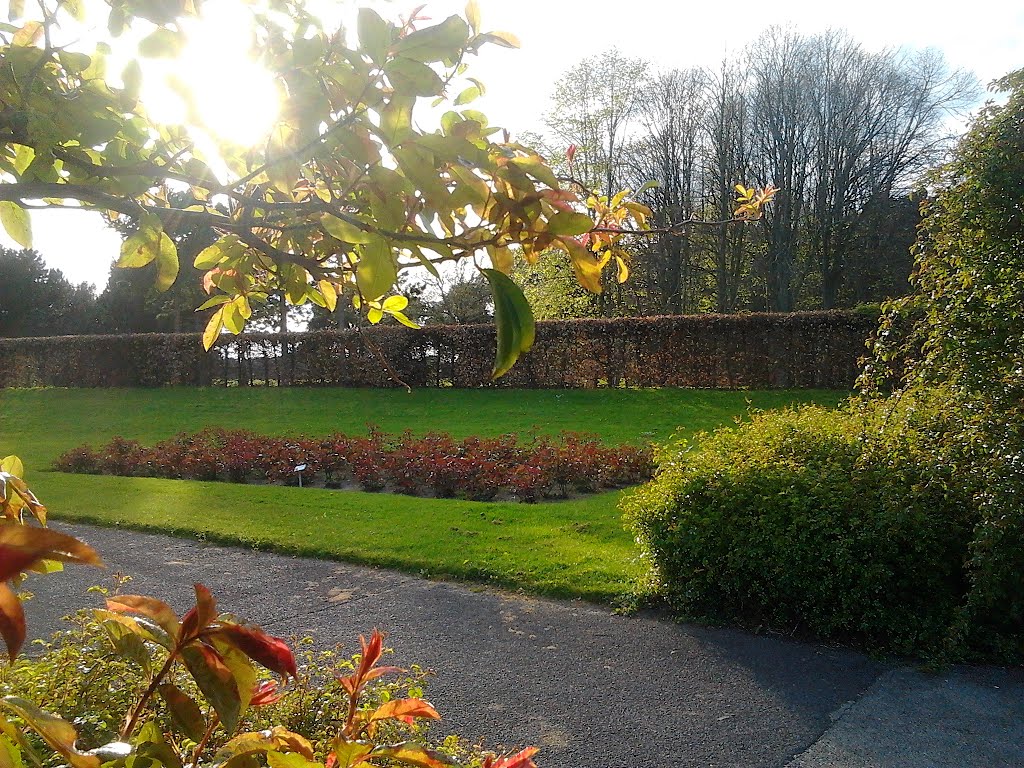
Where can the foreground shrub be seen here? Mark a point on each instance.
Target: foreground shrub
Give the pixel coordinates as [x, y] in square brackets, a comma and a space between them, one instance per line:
[436, 464]
[851, 525]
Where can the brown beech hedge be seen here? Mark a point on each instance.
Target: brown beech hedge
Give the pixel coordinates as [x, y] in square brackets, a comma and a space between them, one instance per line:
[757, 351]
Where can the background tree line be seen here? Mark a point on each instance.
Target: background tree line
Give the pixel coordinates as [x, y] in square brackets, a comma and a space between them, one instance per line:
[845, 133]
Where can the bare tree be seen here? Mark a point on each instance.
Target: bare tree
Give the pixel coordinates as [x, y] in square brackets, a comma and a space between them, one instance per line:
[727, 130]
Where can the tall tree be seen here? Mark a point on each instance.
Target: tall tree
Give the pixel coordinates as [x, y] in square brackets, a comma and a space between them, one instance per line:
[669, 155]
[727, 130]
[38, 301]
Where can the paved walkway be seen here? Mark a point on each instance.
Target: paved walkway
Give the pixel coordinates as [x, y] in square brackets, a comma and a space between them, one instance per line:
[592, 689]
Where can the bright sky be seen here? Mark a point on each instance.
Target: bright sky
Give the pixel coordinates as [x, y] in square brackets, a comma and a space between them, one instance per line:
[986, 37]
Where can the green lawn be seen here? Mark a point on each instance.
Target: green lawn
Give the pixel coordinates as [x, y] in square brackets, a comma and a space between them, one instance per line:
[569, 548]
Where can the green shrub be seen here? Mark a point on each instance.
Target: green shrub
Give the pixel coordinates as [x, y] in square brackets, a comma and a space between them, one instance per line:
[81, 678]
[849, 525]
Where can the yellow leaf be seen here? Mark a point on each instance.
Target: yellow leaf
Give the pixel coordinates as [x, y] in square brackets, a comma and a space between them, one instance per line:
[374, 315]
[12, 465]
[212, 331]
[587, 269]
[330, 294]
[473, 16]
[623, 273]
[395, 303]
[16, 221]
[404, 320]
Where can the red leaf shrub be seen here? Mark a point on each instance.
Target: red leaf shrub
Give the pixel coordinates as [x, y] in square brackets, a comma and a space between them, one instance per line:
[436, 464]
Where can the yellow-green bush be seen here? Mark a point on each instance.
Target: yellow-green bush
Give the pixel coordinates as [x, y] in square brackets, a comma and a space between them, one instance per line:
[846, 525]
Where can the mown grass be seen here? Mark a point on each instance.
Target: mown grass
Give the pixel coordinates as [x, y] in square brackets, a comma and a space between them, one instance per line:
[575, 548]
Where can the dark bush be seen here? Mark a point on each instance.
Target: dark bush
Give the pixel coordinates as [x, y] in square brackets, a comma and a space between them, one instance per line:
[850, 525]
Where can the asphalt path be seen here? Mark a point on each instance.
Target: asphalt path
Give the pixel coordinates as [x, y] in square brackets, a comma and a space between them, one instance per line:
[592, 689]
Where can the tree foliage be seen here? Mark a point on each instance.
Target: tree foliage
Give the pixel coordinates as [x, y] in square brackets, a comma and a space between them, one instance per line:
[347, 191]
[963, 331]
[38, 301]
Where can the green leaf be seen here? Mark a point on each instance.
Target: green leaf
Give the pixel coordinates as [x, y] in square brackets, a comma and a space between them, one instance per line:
[131, 76]
[536, 167]
[143, 246]
[17, 223]
[350, 753]
[74, 62]
[375, 272]
[472, 93]
[127, 642]
[504, 39]
[216, 682]
[437, 43]
[345, 231]
[513, 318]
[396, 120]
[76, 8]
[184, 711]
[163, 43]
[413, 76]
[570, 223]
[374, 34]
[166, 263]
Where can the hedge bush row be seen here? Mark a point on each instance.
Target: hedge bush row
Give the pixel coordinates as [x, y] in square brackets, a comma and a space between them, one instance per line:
[763, 351]
[862, 525]
[433, 465]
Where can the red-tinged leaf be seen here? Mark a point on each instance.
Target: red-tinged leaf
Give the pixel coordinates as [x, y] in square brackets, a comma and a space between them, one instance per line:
[406, 710]
[184, 711]
[200, 617]
[570, 153]
[216, 681]
[408, 753]
[23, 546]
[151, 608]
[376, 672]
[266, 650]
[12, 621]
[521, 759]
[267, 692]
[55, 731]
[371, 650]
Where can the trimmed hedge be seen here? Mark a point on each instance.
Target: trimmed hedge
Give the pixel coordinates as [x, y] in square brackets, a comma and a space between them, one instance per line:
[863, 525]
[758, 351]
